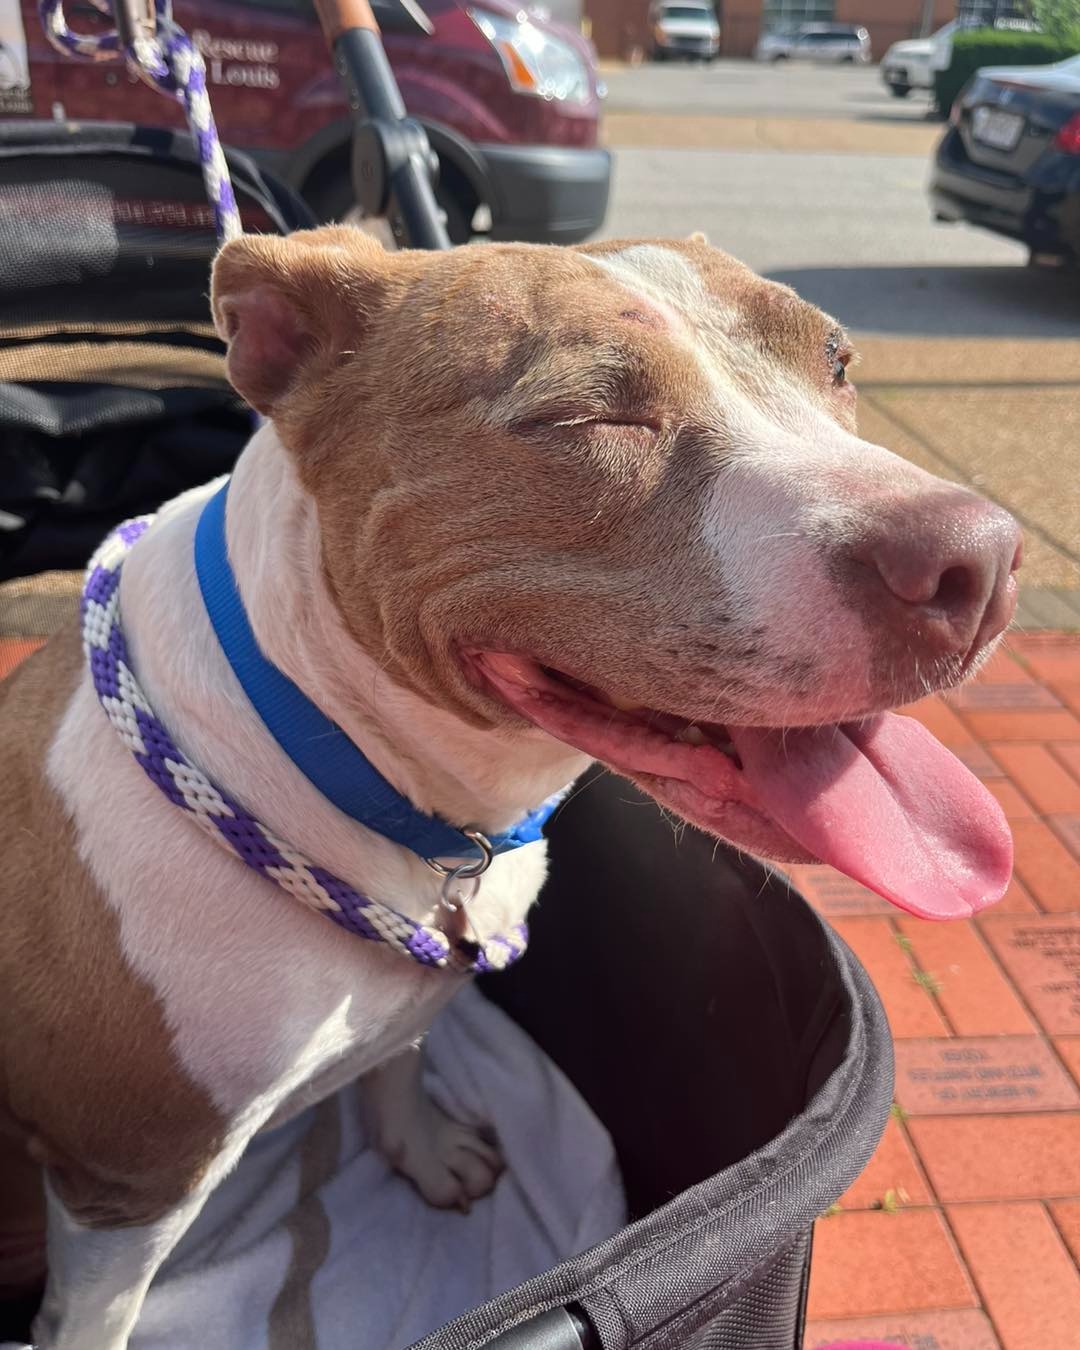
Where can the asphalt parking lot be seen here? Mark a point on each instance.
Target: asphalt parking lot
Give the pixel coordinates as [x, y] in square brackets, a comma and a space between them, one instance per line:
[751, 88]
[816, 177]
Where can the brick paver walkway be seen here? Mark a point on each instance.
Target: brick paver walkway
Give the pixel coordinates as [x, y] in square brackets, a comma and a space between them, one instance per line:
[963, 1233]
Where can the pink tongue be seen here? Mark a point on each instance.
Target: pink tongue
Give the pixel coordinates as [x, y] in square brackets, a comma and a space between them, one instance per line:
[886, 803]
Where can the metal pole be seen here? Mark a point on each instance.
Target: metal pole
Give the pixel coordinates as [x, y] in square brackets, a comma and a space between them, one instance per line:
[393, 164]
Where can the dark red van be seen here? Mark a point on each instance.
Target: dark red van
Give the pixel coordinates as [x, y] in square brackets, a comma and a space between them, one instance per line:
[510, 101]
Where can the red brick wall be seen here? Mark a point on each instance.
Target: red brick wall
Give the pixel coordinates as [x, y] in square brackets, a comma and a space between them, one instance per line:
[740, 26]
[618, 26]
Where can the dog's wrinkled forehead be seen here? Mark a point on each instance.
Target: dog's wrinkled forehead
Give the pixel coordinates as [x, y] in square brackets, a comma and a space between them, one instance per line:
[672, 281]
[648, 326]
[715, 294]
[722, 305]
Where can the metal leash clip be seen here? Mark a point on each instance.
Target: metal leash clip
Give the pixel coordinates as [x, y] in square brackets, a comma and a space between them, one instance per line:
[453, 897]
[469, 869]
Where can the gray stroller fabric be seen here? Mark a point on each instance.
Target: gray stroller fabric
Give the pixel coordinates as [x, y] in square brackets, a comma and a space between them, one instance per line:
[112, 389]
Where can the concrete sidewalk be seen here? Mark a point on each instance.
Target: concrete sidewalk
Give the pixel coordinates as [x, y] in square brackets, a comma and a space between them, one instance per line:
[1002, 417]
[690, 131]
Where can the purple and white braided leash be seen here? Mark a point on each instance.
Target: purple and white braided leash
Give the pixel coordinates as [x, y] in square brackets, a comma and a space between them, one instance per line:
[172, 64]
[227, 823]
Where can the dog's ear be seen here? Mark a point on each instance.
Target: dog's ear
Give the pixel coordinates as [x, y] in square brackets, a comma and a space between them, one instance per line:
[290, 307]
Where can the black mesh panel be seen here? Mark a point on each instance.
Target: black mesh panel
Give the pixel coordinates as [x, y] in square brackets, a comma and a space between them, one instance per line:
[113, 396]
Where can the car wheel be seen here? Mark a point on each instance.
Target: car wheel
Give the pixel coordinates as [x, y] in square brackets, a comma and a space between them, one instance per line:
[332, 198]
[899, 90]
[780, 56]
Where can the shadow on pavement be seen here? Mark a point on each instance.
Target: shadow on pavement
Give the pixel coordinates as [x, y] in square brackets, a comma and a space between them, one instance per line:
[935, 301]
[915, 117]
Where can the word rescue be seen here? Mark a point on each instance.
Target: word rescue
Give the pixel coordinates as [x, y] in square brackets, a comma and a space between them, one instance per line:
[241, 62]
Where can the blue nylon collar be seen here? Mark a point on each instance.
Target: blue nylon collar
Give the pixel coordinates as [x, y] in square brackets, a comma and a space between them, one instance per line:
[315, 744]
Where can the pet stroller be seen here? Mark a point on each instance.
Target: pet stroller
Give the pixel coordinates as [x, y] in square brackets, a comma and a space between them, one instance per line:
[731, 1044]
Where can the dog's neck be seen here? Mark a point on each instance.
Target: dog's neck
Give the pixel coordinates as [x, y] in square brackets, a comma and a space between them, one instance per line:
[442, 765]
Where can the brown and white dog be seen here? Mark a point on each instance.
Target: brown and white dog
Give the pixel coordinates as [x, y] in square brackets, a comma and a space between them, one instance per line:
[515, 509]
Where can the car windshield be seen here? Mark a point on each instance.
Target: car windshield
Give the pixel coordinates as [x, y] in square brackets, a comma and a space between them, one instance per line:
[849, 36]
[686, 12]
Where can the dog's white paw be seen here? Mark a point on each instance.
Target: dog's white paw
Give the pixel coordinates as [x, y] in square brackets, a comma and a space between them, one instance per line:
[450, 1164]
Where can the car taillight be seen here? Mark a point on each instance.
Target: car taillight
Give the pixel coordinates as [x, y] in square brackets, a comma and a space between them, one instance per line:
[955, 113]
[1068, 137]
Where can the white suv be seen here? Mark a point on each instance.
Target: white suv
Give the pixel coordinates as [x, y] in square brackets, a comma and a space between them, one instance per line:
[838, 42]
[686, 28]
[911, 64]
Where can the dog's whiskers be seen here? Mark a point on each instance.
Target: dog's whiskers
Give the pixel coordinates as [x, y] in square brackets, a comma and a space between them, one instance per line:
[577, 790]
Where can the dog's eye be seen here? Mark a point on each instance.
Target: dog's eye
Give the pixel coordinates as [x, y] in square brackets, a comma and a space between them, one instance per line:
[838, 354]
[626, 425]
[557, 428]
[626, 434]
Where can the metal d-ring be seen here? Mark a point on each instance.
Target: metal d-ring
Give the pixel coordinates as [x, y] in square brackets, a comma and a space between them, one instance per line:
[451, 897]
[466, 871]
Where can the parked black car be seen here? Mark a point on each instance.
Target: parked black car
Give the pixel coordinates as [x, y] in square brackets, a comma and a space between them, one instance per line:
[1010, 160]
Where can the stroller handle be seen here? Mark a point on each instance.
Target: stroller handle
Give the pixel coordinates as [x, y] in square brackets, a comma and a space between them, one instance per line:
[394, 166]
[406, 16]
[338, 16]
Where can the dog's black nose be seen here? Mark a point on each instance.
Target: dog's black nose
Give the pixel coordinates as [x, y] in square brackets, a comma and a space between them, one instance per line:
[945, 561]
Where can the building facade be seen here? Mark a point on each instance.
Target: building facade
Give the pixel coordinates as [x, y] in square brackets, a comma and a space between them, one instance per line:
[620, 28]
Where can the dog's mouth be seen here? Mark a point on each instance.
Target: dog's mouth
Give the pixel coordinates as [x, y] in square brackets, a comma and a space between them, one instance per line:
[879, 798]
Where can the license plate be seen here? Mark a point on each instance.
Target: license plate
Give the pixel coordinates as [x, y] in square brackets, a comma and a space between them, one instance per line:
[999, 130]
